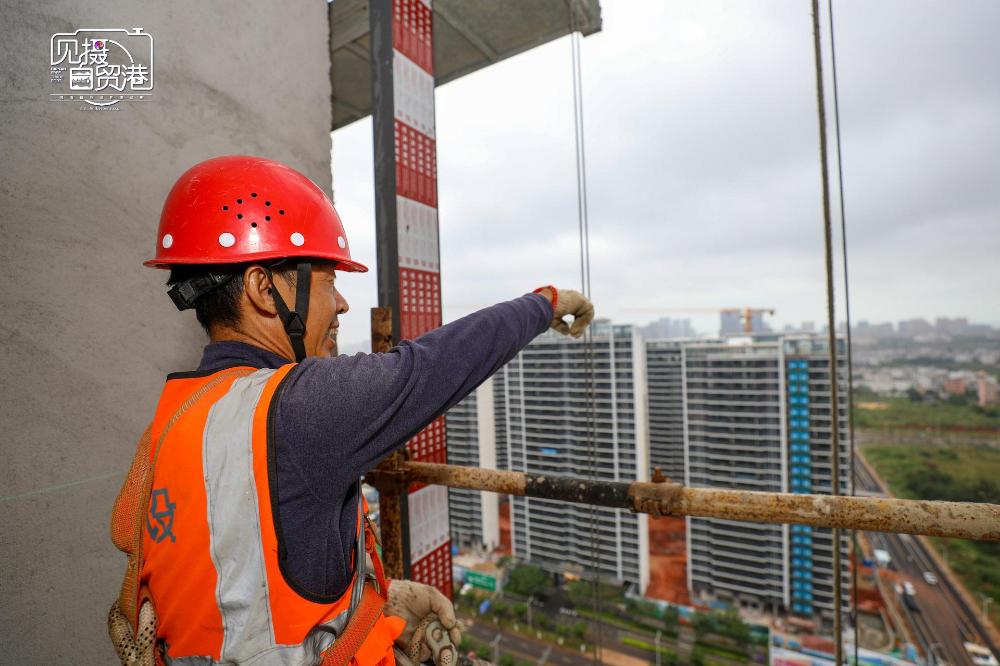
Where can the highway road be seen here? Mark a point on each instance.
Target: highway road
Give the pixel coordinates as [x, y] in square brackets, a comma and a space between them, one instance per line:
[526, 648]
[531, 649]
[941, 618]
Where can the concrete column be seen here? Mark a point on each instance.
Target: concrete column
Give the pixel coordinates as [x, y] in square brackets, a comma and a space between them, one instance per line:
[88, 333]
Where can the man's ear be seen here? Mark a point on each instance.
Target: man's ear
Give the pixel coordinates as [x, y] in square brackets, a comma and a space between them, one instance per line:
[257, 289]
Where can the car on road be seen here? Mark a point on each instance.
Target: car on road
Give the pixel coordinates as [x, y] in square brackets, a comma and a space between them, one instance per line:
[910, 590]
[930, 578]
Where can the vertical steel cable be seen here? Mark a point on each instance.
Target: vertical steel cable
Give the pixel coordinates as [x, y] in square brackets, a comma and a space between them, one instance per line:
[847, 315]
[584, 230]
[838, 638]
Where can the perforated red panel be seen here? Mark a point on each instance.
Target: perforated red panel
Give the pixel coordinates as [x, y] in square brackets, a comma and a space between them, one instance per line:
[435, 569]
[429, 444]
[419, 302]
[416, 165]
[411, 32]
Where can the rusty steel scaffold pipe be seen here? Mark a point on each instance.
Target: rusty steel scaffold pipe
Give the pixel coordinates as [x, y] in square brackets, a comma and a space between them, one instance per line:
[966, 520]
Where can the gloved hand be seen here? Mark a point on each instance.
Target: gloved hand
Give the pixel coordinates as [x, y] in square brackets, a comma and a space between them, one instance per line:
[415, 601]
[569, 302]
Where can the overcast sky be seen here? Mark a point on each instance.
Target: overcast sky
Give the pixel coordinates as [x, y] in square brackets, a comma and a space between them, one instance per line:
[703, 169]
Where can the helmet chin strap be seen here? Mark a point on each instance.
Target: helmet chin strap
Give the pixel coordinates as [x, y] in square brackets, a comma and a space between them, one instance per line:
[294, 320]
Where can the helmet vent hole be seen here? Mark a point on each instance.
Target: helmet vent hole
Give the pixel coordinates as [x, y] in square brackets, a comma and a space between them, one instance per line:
[225, 208]
[267, 203]
[281, 212]
[239, 201]
[253, 224]
[253, 194]
[267, 217]
[239, 216]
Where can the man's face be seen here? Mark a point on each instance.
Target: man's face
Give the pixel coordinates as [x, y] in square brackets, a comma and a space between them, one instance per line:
[325, 306]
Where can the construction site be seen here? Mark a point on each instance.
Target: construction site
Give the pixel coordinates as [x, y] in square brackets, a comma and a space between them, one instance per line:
[722, 467]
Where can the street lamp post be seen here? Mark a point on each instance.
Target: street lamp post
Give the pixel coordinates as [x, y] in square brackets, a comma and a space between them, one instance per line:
[495, 643]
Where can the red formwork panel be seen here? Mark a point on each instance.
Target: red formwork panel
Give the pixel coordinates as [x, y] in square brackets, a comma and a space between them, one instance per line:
[416, 164]
[412, 30]
[435, 569]
[429, 444]
[419, 302]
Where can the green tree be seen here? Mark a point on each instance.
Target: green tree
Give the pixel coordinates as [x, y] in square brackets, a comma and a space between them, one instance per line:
[500, 609]
[579, 592]
[641, 607]
[527, 580]
[670, 618]
[507, 660]
[702, 623]
[729, 624]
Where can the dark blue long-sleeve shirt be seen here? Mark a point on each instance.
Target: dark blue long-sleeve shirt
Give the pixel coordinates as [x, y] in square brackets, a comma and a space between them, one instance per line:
[337, 417]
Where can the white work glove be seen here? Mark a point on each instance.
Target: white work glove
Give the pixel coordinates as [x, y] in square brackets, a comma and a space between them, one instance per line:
[569, 302]
[414, 602]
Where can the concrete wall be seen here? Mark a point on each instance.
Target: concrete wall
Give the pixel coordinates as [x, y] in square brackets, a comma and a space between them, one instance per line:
[88, 333]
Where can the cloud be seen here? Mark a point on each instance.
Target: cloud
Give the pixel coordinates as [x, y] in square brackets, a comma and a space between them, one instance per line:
[703, 166]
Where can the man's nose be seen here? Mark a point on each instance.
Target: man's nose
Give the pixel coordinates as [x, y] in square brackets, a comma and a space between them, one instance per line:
[342, 304]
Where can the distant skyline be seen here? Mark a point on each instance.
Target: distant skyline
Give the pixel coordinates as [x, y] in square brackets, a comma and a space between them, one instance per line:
[703, 167]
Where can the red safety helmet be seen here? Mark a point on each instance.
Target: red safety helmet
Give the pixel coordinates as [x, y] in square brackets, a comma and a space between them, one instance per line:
[242, 209]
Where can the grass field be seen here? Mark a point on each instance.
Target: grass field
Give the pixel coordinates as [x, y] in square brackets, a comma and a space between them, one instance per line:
[949, 472]
[962, 473]
[879, 412]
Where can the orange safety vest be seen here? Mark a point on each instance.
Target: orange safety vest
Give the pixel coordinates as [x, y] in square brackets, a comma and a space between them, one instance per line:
[210, 559]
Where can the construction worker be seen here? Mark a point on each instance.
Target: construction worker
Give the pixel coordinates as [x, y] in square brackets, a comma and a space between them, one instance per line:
[242, 514]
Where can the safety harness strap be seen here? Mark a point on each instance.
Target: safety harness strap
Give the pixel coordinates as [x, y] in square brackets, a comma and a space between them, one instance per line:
[366, 613]
[371, 543]
[362, 622]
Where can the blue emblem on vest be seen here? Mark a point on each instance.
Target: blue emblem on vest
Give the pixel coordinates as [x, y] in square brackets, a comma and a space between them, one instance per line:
[161, 511]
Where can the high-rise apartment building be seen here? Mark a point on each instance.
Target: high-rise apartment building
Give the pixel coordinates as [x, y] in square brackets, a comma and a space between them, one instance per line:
[544, 399]
[746, 413]
[471, 435]
[730, 323]
[665, 327]
[666, 407]
[757, 417]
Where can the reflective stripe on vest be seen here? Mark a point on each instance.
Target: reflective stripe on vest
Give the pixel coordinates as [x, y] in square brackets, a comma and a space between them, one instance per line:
[211, 553]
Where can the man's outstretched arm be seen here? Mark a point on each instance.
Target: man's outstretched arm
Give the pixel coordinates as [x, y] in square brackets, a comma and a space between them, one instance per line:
[351, 411]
